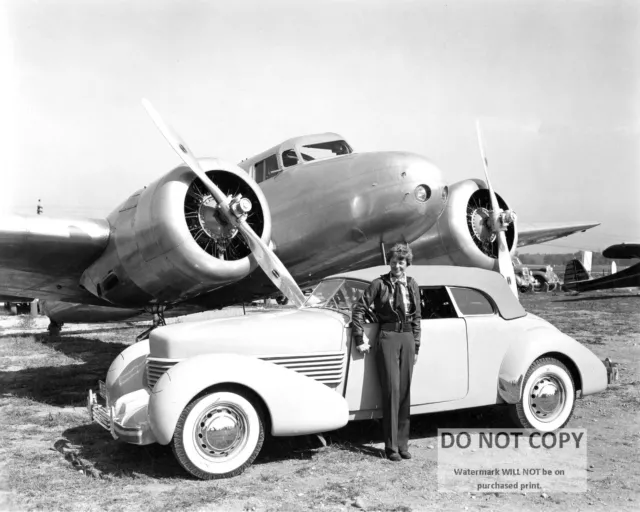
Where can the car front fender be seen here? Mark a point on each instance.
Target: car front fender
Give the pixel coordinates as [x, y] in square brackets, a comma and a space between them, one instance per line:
[127, 372]
[296, 404]
[541, 342]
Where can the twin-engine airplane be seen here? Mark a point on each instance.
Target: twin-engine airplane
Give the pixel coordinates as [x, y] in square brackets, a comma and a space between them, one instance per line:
[576, 277]
[308, 208]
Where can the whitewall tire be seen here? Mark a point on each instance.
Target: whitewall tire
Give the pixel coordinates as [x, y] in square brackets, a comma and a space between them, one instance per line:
[218, 435]
[548, 396]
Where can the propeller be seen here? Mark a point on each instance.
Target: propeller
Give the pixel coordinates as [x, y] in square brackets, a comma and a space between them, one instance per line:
[234, 211]
[499, 221]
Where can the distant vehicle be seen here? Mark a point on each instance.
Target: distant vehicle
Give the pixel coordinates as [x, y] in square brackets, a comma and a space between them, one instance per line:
[17, 306]
[211, 389]
[524, 278]
[544, 278]
[576, 277]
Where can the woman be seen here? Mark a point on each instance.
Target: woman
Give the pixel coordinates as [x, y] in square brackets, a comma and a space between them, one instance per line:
[395, 300]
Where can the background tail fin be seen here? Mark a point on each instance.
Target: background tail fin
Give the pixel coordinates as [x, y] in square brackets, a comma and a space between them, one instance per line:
[574, 272]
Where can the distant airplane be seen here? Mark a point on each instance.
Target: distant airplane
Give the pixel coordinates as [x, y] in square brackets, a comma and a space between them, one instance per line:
[576, 277]
[305, 209]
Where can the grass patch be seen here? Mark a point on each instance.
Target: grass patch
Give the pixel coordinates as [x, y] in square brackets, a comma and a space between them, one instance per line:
[43, 384]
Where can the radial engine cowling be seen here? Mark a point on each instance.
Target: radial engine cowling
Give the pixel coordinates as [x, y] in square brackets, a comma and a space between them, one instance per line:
[462, 235]
[168, 244]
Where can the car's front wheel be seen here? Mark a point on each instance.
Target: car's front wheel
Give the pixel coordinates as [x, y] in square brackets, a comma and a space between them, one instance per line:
[218, 435]
[548, 396]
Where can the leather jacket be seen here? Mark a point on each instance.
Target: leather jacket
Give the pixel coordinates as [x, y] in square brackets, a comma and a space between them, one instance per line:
[376, 302]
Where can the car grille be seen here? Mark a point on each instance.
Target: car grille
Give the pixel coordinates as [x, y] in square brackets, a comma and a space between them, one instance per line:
[327, 368]
[156, 368]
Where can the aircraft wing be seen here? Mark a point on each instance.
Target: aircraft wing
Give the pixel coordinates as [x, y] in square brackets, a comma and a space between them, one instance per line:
[537, 233]
[622, 251]
[44, 257]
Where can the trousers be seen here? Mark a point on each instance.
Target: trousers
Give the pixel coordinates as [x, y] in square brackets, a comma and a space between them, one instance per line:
[394, 360]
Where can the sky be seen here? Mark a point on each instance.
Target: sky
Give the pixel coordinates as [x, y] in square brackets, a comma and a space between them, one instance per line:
[555, 85]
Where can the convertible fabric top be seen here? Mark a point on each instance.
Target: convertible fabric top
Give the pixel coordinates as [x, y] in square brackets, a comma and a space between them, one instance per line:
[487, 281]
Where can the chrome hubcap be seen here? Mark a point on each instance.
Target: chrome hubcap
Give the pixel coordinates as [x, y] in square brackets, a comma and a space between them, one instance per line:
[547, 397]
[221, 430]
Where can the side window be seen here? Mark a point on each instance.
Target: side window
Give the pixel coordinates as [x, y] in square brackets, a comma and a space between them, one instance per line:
[325, 150]
[351, 291]
[471, 302]
[265, 168]
[289, 158]
[436, 303]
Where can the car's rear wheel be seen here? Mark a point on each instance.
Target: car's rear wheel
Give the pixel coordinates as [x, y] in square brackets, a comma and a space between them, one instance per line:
[548, 396]
[540, 284]
[218, 435]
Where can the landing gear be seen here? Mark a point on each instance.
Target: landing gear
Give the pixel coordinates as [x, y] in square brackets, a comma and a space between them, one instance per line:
[158, 321]
[282, 300]
[54, 328]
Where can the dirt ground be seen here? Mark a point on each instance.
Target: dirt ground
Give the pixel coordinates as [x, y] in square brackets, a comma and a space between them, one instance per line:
[52, 458]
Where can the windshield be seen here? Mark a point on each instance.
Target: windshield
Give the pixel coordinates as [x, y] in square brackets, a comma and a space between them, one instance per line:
[340, 294]
[325, 150]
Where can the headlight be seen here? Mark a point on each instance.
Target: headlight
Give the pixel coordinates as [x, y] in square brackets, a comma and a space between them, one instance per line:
[422, 193]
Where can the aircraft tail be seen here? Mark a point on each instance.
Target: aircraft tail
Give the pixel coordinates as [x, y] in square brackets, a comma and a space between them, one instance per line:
[573, 273]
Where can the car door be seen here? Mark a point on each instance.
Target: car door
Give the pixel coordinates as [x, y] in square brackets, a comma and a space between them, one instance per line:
[441, 373]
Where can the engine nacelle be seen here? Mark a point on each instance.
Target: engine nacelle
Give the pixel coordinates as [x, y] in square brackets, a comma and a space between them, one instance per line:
[168, 244]
[462, 236]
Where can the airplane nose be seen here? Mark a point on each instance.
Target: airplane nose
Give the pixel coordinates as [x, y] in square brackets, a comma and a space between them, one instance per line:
[406, 195]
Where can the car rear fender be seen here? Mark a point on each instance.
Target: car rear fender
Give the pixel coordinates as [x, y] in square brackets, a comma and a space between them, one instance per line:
[548, 342]
[296, 404]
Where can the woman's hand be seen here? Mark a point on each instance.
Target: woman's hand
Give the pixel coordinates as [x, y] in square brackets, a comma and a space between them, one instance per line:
[364, 348]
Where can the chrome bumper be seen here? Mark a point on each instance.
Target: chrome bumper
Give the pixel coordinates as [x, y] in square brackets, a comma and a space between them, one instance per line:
[105, 417]
[612, 370]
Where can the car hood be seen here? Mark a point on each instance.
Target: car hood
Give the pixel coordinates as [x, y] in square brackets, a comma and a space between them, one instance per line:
[283, 332]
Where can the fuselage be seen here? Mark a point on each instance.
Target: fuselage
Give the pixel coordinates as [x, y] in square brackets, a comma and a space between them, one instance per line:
[327, 215]
[626, 278]
[341, 213]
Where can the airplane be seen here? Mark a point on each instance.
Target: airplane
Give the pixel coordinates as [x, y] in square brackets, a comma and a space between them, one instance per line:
[576, 277]
[307, 208]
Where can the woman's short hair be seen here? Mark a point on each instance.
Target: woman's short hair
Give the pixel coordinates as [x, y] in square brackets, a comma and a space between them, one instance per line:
[401, 251]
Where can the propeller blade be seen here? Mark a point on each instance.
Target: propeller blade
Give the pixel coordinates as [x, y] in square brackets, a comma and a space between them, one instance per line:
[495, 207]
[271, 265]
[504, 258]
[266, 258]
[183, 151]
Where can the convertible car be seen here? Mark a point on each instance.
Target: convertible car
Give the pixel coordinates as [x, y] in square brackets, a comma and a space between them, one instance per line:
[213, 388]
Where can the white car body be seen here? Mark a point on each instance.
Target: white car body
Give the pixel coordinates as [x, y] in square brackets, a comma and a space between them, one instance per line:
[301, 370]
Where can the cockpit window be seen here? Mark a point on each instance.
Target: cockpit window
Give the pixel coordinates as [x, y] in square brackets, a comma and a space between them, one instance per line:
[325, 150]
[339, 294]
[266, 168]
[289, 158]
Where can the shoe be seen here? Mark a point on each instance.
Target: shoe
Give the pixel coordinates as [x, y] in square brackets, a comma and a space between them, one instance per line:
[405, 455]
[394, 457]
